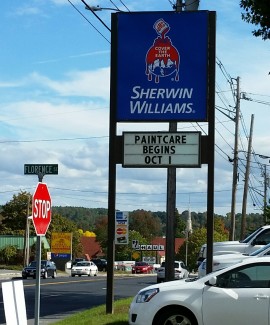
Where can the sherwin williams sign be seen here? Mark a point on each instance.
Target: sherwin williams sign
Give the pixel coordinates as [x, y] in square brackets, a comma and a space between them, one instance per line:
[160, 66]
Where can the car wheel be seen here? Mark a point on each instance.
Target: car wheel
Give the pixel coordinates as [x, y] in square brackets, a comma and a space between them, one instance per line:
[45, 276]
[54, 275]
[73, 275]
[158, 280]
[175, 316]
[80, 275]
[24, 277]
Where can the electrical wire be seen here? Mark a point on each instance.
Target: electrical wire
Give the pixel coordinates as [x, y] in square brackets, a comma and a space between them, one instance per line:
[87, 20]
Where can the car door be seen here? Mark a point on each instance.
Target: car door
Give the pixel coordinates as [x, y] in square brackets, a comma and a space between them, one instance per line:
[240, 296]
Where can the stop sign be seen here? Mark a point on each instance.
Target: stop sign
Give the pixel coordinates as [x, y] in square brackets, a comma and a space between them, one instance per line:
[41, 209]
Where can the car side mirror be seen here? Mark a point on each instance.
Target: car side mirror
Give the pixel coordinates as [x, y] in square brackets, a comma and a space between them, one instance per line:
[212, 281]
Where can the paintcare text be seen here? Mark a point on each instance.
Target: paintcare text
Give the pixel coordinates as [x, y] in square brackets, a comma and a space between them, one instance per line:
[161, 149]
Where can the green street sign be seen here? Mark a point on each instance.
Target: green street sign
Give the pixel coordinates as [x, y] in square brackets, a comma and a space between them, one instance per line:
[41, 169]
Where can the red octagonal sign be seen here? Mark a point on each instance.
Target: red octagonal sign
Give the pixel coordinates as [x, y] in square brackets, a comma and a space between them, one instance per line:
[41, 209]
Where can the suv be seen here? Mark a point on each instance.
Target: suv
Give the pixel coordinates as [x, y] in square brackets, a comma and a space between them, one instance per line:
[254, 241]
[101, 263]
[180, 271]
[47, 269]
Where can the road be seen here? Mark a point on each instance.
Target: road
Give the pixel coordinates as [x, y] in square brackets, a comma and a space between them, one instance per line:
[64, 295]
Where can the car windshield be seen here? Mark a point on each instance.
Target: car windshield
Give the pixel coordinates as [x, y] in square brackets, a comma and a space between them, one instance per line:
[249, 237]
[82, 264]
[140, 264]
[33, 264]
[176, 265]
[258, 251]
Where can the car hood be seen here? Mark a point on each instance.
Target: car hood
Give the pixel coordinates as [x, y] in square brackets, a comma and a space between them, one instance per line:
[225, 243]
[178, 284]
[229, 257]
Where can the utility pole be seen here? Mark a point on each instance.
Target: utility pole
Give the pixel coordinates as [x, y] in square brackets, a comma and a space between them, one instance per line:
[171, 181]
[244, 204]
[266, 184]
[235, 160]
[171, 203]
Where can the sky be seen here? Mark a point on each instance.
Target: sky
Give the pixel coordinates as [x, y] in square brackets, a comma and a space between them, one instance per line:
[55, 97]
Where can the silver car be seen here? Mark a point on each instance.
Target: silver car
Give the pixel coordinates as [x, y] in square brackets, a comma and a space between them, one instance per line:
[180, 271]
[84, 268]
[222, 261]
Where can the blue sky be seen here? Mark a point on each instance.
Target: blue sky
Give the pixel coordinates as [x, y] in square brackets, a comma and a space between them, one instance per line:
[54, 108]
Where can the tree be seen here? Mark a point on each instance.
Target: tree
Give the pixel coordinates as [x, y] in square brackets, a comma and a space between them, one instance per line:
[8, 254]
[197, 239]
[257, 12]
[14, 214]
[101, 231]
[180, 225]
[145, 223]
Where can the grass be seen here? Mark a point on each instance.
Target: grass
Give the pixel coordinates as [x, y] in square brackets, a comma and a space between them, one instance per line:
[98, 316]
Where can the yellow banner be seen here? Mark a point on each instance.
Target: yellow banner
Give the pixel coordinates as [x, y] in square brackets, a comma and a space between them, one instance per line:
[61, 242]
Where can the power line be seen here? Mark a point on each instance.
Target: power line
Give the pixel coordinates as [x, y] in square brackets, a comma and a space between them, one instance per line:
[88, 20]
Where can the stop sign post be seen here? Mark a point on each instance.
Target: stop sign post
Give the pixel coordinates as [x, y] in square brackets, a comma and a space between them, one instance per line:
[41, 209]
[41, 212]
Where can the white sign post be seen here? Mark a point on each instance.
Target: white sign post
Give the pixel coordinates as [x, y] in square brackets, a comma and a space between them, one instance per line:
[14, 303]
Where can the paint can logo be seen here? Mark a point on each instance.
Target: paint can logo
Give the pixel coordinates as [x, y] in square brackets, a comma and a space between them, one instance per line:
[162, 59]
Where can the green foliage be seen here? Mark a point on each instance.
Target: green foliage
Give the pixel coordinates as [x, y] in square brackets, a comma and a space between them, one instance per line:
[257, 12]
[101, 231]
[8, 254]
[84, 218]
[145, 223]
[197, 239]
[14, 214]
[267, 214]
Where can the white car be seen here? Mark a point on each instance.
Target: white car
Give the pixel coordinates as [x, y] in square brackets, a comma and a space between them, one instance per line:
[238, 295]
[180, 271]
[84, 268]
[222, 261]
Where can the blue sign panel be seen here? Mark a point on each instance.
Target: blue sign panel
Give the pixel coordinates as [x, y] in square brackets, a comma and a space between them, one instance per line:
[60, 255]
[161, 66]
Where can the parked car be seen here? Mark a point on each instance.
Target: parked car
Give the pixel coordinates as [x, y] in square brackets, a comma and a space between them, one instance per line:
[254, 241]
[47, 269]
[180, 271]
[222, 261]
[238, 295]
[84, 268]
[101, 263]
[142, 267]
[76, 260]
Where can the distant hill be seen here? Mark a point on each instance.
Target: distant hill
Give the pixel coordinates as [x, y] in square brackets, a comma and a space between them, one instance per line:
[84, 218]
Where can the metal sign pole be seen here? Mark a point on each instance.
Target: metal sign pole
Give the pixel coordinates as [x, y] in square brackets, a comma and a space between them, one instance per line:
[37, 289]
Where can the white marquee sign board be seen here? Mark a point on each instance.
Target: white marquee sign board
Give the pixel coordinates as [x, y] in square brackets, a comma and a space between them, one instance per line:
[161, 149]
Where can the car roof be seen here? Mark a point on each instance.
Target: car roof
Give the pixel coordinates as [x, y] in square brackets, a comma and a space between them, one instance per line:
[246, 261]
